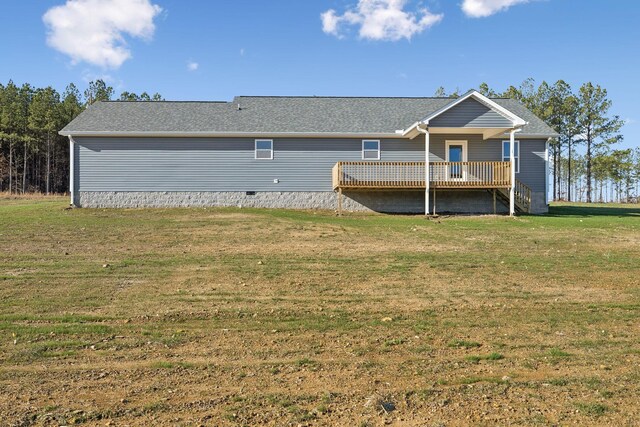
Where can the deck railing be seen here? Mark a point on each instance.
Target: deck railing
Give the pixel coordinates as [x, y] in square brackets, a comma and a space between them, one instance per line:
[470, 174]
[522, 195]
[408, 175]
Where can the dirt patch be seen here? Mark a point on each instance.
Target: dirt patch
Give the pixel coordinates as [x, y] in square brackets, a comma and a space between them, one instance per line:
[211, 317]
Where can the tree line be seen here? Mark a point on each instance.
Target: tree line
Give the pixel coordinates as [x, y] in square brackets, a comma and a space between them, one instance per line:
[33, 157]
[583, 121]
[615, 177]
[585, 164]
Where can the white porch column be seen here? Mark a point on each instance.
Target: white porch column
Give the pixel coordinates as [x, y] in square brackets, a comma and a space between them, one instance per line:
[71, 170]
[512, 159]
[426, 172]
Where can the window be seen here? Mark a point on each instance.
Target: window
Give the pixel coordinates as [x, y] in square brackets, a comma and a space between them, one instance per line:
[264, 149]
[506, 157]
[371, 149]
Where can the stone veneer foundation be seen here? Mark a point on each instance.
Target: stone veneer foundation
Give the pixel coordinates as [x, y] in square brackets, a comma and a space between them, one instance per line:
[459, 201]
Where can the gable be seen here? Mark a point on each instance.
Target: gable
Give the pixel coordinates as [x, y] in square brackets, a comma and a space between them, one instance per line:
[470, 113]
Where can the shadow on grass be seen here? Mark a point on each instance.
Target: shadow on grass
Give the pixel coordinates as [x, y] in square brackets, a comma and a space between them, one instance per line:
[584, 210]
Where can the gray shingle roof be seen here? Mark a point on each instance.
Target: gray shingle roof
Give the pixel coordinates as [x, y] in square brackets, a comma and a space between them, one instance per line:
[274, 115]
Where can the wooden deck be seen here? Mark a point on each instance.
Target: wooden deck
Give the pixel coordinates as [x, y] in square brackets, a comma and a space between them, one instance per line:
[374, 175]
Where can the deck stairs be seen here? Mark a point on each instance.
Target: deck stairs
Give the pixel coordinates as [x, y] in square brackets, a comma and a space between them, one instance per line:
[522, 199]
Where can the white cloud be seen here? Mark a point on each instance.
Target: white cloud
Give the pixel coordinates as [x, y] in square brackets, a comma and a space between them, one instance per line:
[192, 66]
[484, 8]
[380, 20]
[242, 52]
[93, 30]
[330, 22]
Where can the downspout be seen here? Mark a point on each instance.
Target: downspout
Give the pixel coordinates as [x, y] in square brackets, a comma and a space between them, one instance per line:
[512, 161]
[72, 171]
[425, 131]
[546, 172]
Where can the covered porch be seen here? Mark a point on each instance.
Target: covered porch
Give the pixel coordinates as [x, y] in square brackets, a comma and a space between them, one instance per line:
[493, 176]
[470, 114]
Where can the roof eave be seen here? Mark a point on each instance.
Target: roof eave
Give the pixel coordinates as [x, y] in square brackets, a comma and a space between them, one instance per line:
[209, 134]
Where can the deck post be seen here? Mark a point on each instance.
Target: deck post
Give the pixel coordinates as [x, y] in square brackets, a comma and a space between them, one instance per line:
[434, 200]
[512, 159]
[340, 201]
[494, 201]
[426, 174]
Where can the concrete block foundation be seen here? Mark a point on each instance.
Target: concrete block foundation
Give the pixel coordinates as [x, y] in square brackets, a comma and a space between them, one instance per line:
[411, 202]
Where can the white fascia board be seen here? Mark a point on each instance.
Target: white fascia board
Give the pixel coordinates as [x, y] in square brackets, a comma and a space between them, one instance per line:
[412, 131]
[114, 134]
[528, 135]
[517, 121]
[448, 106]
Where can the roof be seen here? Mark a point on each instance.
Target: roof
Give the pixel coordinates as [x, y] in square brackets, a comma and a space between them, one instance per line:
[267, 115]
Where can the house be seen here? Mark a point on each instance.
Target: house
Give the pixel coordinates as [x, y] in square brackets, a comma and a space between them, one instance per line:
[484, 155]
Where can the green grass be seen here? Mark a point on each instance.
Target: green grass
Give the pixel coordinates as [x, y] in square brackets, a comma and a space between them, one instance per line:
[162, 365]
[556, 353]
[593, 409]
[491, 356]
[394, 342]
[283, 303]
[306, 363]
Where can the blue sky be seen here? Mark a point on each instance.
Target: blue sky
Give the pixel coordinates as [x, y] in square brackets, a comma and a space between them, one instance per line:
[213, 50]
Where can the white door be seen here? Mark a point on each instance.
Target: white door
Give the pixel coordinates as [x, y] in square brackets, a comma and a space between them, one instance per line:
[456, 153]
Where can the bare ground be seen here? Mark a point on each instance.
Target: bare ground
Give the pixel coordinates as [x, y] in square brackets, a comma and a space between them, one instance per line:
[236, 317]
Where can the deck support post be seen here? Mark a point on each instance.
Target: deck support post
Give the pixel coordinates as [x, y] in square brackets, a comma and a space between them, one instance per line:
[434, 201]
[494, 202]
[340, 201]
[512, 178]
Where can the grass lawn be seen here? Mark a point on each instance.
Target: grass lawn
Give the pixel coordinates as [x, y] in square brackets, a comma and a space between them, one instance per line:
[275, 317]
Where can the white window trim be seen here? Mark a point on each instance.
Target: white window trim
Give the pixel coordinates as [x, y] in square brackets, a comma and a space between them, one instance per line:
[255, 150]
[516, 143]
[378, 150]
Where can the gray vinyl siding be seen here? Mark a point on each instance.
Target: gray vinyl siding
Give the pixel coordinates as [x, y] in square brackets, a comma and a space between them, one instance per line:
[532, 155]
[220, 164]
[228, 164]
[470, 113]
[532, 164]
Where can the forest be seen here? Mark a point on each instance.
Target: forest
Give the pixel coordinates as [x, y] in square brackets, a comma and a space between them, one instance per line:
[33, 157]
[586, 165]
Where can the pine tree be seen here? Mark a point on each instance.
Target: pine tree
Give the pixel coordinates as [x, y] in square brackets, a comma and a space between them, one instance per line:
[597, 129]
[44, 120]
[98, 91]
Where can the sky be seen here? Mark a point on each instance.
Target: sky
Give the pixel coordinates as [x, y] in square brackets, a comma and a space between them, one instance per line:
[218, 49]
